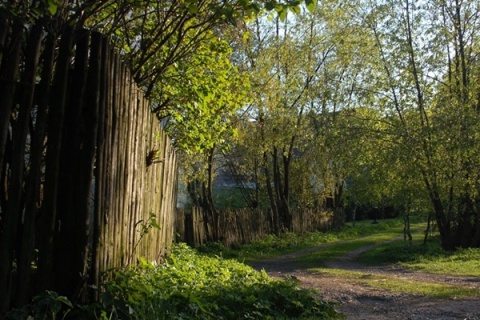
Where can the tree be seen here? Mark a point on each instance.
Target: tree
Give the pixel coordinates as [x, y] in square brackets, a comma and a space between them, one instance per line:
[157, 38]
[209, 92]
[423, 69]
[293, 111]
[280, 88]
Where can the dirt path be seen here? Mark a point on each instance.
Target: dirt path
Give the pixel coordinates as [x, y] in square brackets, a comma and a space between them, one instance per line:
[359, 301]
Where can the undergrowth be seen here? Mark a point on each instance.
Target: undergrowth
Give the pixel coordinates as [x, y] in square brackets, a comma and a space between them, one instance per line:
[192, 286]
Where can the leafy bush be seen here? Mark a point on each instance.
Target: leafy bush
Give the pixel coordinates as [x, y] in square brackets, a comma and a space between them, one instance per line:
[191, 286]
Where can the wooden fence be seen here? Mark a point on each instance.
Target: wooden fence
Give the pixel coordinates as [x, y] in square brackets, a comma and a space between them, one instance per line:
[137, 178]
[87, 172]
[245, 225]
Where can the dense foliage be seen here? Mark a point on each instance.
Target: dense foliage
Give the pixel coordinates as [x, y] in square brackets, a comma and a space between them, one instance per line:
[381, 111]
[189, 286]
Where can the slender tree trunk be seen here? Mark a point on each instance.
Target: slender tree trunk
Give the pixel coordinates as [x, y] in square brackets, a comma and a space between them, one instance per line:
[271, 196]
[278, 190]
[442, 222]
[285, 195]
[465, 232]
[429, 174]
[209, 206]
[428, 230]
[476, 234]
[257, 187]
[406, 229]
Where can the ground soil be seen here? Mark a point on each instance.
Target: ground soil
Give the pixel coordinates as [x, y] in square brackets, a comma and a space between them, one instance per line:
[359, 301]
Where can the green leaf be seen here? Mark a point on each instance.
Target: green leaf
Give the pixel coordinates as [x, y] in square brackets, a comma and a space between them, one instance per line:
[311, 5]
[295, 9]
[154, 224]
[65, 301]
[143, 261]
[282, 13]
[52, 7]
[193, 8]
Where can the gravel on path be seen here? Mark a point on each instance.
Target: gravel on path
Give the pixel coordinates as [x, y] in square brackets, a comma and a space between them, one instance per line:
[359, 301]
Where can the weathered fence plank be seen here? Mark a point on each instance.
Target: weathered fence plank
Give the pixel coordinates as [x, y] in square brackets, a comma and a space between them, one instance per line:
[245, 225]
[92, 186]
[8, 77]
[20, 134]
[52, 161]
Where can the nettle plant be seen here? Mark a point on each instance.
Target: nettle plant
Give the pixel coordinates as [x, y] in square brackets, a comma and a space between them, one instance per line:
[192, 286]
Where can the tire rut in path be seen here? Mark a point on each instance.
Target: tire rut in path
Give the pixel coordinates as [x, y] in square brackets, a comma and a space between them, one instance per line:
[359, 301]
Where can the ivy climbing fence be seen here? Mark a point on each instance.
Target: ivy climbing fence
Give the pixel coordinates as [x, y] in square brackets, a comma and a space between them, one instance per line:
[88, 175]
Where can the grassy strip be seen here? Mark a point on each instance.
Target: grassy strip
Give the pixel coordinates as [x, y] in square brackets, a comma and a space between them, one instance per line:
[433, 290]
[429, 258]
[331, 252]
[272, 245]
[335, 250]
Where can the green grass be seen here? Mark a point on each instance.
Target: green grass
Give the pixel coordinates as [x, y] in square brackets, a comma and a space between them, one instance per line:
[433, 290]
[428, 258]
[272, 245]
[389, 230]
[333, 251]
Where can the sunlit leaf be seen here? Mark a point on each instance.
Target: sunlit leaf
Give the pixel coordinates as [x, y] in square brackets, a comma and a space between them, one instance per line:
[52, 7]
[311, 5]
[282, 13]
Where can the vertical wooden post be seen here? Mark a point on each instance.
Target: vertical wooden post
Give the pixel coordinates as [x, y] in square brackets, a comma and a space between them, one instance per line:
[15, 205]
[52, 170]
[8, 78]
[100, 161]
[71, 230]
